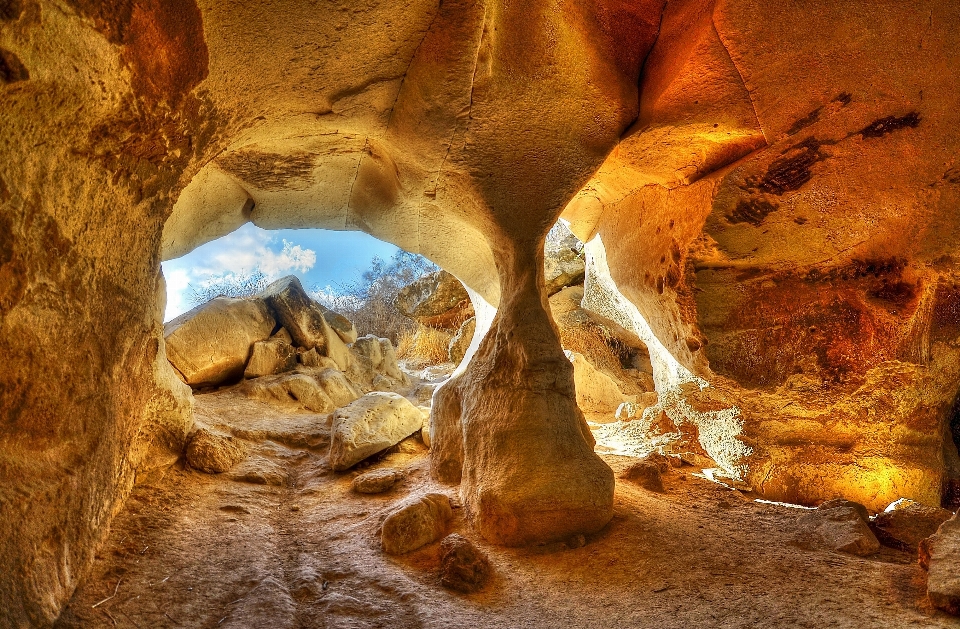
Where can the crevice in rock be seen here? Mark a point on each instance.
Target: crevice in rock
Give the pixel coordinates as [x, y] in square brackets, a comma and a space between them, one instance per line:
[726, 48]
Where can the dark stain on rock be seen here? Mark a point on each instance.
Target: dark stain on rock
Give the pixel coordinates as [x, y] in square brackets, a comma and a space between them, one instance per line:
[800, 220]
[163, 43]
[270, 171]
[806, 121]
[883, 126]
[12, 69]
[952, 176]
[843, 99]
[790, 172]
[10, 10]
[752, 211]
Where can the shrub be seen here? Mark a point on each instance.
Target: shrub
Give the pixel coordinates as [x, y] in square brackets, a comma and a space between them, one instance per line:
[368, 300]
[230, 285]
[425, 344]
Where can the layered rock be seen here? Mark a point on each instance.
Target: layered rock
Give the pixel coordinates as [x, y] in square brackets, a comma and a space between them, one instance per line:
[211, 344]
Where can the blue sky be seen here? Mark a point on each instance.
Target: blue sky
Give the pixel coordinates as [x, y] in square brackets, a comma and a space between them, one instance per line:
[319, 257]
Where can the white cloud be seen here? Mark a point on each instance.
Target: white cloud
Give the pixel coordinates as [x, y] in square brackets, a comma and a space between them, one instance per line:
[244, 251]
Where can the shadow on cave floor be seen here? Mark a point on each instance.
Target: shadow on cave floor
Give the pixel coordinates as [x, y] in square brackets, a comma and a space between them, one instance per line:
[281, 541]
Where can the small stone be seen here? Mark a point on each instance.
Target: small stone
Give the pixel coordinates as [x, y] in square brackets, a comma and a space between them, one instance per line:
[646, 474]
[415, 523]
[377, 481]
[213, 452]
[839, 525]
[463, 566]
[908, 523]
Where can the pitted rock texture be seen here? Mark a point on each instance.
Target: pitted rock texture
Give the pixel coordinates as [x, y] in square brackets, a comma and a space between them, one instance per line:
[212, 451]
[369, 425]
[463, 566]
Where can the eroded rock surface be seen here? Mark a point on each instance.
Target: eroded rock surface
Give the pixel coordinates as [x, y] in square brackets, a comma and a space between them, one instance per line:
[369, 425]
[416, 522]
[908, 524]
[463, 566]
[377, 481]
[437, 300]
[213, 451]
[839, 525]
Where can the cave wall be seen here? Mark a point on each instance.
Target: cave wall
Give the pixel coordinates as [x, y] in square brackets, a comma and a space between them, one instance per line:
[776, 195]
[784, 215]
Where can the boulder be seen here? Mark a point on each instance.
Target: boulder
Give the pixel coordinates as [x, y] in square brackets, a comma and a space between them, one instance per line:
[415, 523]
[212, 451]
[839, 525]
[310, 358]
[597, 393]
[908, 523]
[340, 324]
[210, 344]
[297, 389]
[437, 300]
[273, 356]
[461, 341]
[646, 474]
[634, 410]
[563, 260]
[463, 566]
[377, 481]
[940, 556]
[374, 363]
[369, 425]
[300, 315]
[283, 335]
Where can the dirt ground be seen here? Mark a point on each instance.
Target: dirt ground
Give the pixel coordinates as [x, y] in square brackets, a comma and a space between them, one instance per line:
[282, 542]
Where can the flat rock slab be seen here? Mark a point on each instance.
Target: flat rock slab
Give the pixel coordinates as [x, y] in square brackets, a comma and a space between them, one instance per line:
[369, 425]
[415, 523]
[839, 525]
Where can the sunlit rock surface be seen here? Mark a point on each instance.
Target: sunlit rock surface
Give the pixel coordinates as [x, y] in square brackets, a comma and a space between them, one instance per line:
[767, 192]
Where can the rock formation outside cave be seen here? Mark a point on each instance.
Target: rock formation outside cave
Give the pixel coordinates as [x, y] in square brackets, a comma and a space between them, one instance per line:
[744, 413]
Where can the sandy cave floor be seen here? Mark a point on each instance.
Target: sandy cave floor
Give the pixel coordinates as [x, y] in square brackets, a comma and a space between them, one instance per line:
[282, 542]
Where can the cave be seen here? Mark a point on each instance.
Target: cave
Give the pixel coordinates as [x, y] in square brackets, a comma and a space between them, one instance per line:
[767, 198]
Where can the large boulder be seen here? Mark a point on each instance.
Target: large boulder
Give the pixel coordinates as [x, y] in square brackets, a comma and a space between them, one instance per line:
[305, 320]
[437, 300]
[940, 555]
[211, 344]
[415, 523]
[374, 364]
[369, 425]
